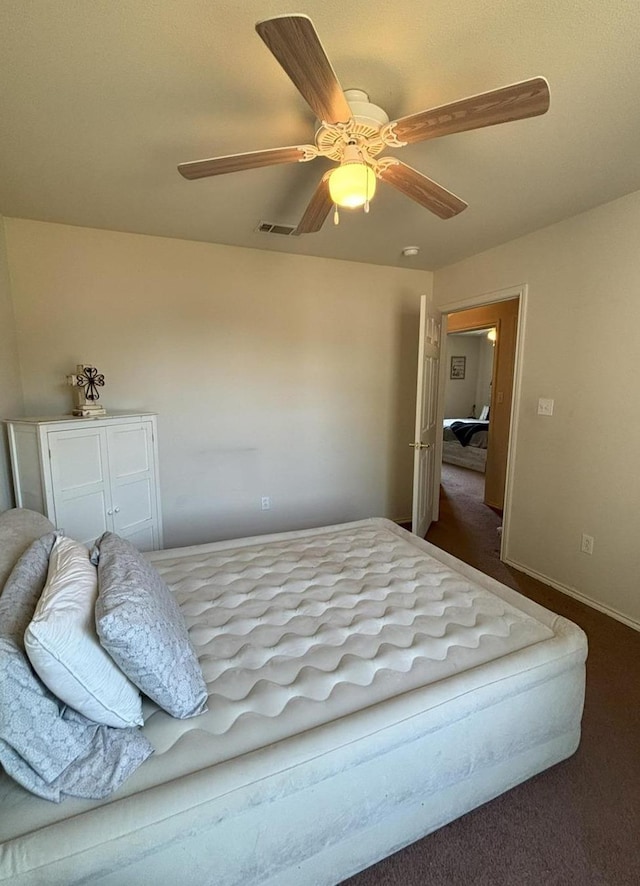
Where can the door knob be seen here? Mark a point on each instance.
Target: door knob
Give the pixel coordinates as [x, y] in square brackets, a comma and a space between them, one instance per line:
[116, 510]
[109, 513]
[420, 445]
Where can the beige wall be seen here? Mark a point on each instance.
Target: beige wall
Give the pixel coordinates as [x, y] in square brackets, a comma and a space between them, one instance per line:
[276, 375]
[10, 389]
[578, 470]
[460, 393]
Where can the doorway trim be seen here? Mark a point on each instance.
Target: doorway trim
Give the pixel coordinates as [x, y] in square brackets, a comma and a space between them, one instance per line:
[521, 292]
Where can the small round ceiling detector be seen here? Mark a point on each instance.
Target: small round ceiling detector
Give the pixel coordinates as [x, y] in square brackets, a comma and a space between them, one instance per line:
[410, 251]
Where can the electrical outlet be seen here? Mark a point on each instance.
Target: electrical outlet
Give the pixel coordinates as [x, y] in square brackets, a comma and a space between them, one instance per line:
[586, 545]
[265, 503]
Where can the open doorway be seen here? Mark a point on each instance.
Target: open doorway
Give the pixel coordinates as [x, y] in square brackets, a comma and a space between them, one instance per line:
[469, 366]
[469, 358]
[479, 352]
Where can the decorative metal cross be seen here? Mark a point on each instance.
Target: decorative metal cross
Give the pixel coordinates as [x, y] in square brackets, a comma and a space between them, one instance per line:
[85, 382]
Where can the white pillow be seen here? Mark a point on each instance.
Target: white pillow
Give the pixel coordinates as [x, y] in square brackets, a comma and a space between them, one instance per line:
[63, 646]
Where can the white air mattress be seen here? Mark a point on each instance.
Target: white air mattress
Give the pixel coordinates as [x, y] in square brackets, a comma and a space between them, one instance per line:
[365, 688]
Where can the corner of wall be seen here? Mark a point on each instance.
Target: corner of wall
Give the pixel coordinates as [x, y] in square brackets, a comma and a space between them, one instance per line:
[11, 394]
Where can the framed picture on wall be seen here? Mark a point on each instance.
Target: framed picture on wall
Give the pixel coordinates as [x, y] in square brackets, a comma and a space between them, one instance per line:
[458, 367]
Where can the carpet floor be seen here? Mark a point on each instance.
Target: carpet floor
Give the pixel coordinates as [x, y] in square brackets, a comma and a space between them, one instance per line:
[576, 824]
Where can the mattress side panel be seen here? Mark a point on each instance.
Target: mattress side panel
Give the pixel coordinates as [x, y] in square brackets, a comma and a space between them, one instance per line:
[329, 815]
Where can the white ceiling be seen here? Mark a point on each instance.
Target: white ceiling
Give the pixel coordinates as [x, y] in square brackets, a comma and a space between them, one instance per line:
[100, 99]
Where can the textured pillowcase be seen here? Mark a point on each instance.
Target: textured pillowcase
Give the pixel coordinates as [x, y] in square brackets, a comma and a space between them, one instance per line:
[63, 646]
[19, 527]
[48, 748]
[140, 625]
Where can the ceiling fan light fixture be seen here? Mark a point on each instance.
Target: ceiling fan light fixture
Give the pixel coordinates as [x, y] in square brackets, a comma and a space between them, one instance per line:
[353, 183]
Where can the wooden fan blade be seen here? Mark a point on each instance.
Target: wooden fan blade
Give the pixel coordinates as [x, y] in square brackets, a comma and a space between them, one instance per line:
[423, 190]
[527, 99]
[294, 42]
[317, 210]
[238, 162]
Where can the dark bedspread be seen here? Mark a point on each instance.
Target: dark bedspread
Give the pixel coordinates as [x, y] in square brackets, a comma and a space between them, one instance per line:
[464, 431]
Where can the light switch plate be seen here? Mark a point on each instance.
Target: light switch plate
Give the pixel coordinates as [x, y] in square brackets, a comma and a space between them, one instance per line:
[545, 406]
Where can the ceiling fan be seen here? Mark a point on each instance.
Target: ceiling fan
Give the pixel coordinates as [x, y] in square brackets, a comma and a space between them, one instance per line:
[353, 131]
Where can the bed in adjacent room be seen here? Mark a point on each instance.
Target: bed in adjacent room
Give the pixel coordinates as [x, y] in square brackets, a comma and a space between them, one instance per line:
[365, 688]
[464, 443]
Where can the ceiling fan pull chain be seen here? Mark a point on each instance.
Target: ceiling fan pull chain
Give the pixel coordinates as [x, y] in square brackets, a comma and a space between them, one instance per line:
[366, 201]
[336, 215]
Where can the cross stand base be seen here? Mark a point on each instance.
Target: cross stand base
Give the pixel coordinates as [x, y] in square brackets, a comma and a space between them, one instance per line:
[86, 411]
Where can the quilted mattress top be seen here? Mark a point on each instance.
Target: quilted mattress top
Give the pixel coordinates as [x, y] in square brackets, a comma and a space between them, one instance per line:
[304, 629]
[299, 631]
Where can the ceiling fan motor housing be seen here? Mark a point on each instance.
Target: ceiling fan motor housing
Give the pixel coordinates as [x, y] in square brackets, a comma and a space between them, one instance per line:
[365, 112]
[363, 129]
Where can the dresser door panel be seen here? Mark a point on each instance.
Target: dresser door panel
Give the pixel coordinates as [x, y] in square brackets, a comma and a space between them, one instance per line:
[130, 452]
[84, 519]
[133, 482]
[80, 482]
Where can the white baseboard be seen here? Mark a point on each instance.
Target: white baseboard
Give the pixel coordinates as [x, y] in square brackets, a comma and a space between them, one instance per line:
[571, 592]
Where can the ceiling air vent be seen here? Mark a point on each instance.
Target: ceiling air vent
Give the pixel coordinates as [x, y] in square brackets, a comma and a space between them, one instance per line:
[269, 228]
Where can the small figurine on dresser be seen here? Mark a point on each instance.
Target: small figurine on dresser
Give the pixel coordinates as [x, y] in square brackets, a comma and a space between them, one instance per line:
[85, 382]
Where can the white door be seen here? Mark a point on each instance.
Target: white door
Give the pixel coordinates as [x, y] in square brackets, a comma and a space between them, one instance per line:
[424, 442]
[80, 480]
[133, 491]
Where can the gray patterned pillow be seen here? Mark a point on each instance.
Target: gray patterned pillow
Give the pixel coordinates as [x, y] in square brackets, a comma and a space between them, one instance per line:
[48, 748]
[140, 625]
[18, 528]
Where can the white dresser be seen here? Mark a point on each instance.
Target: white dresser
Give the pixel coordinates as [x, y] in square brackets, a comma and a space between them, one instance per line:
[89, 475]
